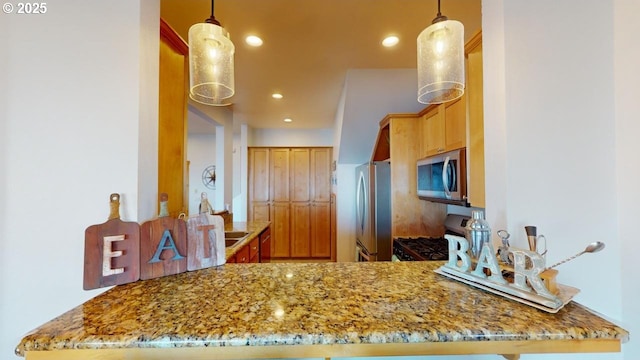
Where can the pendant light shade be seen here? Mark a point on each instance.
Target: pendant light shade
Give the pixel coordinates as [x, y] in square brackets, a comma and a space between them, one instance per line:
[211, 73]
[441, 61]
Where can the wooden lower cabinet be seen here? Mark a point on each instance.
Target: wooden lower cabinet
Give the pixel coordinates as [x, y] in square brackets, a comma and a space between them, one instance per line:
[261, 211]
[280, 228]
[310, 230]
[254, 250]
[321, 230]
[265, 245]
[300, 225]
[242, 256]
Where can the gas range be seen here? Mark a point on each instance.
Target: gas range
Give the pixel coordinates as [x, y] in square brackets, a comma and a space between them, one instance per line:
[423, 248]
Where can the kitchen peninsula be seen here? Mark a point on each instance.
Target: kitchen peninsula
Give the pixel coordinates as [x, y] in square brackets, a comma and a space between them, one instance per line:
[312, 310]
[256, 242]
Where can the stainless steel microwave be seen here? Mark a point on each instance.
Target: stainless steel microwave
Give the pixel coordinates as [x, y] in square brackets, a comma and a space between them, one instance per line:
[443, 177]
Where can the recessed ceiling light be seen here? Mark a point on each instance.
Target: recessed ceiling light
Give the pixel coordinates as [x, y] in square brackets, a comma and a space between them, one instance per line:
[253, 40]
[288, 120]
[390, 41]
[276, 96]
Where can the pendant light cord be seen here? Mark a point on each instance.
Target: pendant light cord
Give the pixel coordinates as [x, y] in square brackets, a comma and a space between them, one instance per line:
[439, 16]
[212, 19]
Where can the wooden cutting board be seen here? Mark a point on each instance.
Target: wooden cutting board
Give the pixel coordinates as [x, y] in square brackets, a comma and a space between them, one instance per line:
[163, 245]
[205, 241]
[111, 250]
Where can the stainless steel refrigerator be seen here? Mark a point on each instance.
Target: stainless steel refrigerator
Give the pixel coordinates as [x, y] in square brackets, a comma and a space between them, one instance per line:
[373, 211]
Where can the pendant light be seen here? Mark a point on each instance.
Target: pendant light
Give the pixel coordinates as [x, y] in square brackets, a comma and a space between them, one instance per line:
[210, 63]
[441, 61]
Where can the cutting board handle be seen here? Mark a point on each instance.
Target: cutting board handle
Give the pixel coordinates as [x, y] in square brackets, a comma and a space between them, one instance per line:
[114, 204]
[164, 205]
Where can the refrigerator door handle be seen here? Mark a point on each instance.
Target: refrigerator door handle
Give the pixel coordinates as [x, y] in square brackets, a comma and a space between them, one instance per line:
[361, 204]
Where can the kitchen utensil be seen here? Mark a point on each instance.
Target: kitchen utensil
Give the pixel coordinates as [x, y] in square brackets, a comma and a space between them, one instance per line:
[532, 232]
[111, 250]
[478, 232]
[591, 248]
[503, 250]
[535, 240]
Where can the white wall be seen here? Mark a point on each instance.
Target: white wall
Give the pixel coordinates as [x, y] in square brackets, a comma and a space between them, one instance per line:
[240, 174]
[201, 152]
[560, 99]
[369, 96]
[552, 137]
[627, 114]
[346, 212]
[78, 99]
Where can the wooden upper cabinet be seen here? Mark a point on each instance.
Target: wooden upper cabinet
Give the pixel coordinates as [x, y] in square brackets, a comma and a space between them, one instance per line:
[321, 174]
[411, 216]
[279, 179]
[300, 175]
[443, 127]
[432, 130]
[382, 148]
[475, 150]
[259, 174]
[455, 126]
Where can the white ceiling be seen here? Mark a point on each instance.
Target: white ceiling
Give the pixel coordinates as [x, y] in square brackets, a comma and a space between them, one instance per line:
[308, 47]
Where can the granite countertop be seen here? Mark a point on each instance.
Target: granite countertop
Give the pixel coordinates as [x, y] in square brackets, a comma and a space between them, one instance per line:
[254, 228]
[307, 304]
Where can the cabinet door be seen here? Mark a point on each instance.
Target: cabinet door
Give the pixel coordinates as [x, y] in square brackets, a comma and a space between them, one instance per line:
[265, 245]
[279, 176]
[254, 250]
[455, 128]
[259, 174]
[242, 256]
[433, 132]
[260, 211]
[320, 174]
[300, 171]
[300, 229]
[280, 230]
[321, 230]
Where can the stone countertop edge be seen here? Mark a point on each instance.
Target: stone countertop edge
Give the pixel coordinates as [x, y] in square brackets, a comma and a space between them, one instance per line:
[254, 228]
[263, 304]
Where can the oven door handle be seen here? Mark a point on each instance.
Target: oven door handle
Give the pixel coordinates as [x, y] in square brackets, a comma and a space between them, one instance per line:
[445, 177]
